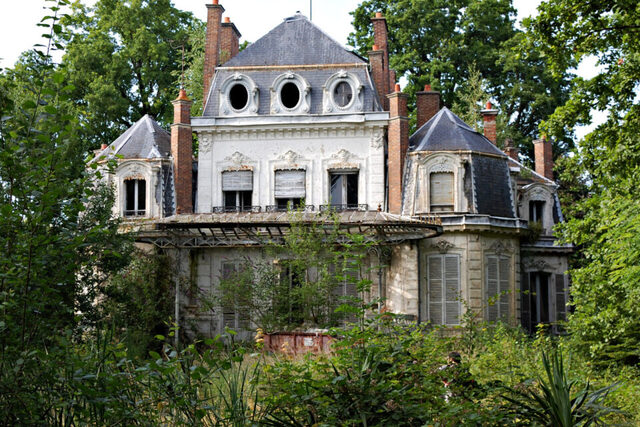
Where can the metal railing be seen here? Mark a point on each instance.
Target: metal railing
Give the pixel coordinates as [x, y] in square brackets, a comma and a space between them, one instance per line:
[342, 208]
[280, 208]
[230, 209]
[135, 212]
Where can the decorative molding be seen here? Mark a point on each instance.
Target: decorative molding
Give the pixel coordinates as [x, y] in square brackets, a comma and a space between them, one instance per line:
[539, 193]
[206, 140]
[377, 140]
[253, 93]
[284, 131]
[443, 246]
[342, 156]
[290, 157]
[238, 158]
[536, 265]
[500, 248]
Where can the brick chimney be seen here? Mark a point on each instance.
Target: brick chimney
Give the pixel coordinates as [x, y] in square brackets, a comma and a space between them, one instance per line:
[181, 151]
[511, 150]
[379, 59]
[543, 153]
[427, 104]
[229, 41]
[212, 44]
[398, 139]
[489, 117]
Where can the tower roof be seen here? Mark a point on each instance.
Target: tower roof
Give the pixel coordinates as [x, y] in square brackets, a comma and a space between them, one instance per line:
[296, 41]
[144, 140]
[447, 132]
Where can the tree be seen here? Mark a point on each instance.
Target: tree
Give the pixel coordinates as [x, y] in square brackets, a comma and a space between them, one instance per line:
[121, 56]
[605, 225]
[434, 42]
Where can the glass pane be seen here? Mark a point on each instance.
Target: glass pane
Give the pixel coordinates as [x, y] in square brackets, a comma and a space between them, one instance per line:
[130, 194]
[230, 199]
[245, 199]
[352, 189]
[342, 94]
[142, 194]
[336, 189]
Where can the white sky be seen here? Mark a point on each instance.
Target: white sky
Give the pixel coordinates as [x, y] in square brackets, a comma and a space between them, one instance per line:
[253, 18]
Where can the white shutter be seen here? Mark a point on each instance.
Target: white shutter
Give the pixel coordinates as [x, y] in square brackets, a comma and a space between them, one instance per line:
[492, 289]
[290, 184]
[452, 286]
[561, 299]
[504, 273]
[237, 181]
[441, 189]
[435, 289]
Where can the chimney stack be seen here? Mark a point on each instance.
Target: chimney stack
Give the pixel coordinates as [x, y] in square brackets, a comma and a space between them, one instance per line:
[510, 149]
[212, 45]
[398, 144]
[489, 117]
[427, 104]
[379, 59]
[181, 151]
[543, 154]
[229, 41]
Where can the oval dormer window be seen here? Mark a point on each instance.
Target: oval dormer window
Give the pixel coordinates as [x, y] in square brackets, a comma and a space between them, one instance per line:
[342, 94]
[238, 96]
[290, 95]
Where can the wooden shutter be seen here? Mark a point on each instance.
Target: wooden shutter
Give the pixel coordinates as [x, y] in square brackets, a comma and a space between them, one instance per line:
[290, 184]
[434, 266]
[561, 298]
[525, 302]
[237, 181]
[452, 286]
[441, 189]
[504, 274]
[492, 288]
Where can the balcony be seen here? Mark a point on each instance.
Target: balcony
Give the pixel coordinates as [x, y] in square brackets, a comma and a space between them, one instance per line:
[228, 209]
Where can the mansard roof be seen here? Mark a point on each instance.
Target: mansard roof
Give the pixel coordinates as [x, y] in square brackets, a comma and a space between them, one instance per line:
[146, 139]
[447, 132]
[296, 41]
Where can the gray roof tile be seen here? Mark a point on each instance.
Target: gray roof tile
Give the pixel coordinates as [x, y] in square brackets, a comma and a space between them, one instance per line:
[144, 140]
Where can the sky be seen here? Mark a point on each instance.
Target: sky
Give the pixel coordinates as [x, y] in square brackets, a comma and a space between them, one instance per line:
[253, 18]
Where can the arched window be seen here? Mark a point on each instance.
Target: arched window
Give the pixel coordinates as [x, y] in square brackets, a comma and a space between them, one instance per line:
[441, 192]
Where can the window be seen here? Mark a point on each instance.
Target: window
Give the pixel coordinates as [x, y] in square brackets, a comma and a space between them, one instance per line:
[342, 94]
[135, 197]
[344, 189]
[441, 192]
[284, 302]
[290, 95]
[538, 297]
[536, 211]
[235, 315]
[238, 96]
[498, 272]
[443, 297]
[290, 188]
[237, 190]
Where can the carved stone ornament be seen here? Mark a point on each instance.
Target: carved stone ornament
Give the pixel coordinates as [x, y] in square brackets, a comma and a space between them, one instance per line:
[238, 158]
[443, 246]
[442, 164]
[539, 194]
[290, 157]
[377, 140]
[537, 265]
[500, 248]
[342, 156]
[205, 144]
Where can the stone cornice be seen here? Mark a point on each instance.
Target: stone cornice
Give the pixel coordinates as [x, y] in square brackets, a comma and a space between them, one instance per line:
[345, 130]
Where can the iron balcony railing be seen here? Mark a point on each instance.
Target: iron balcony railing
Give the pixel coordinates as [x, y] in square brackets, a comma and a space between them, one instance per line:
[228, 209]
[280, 208]
[347, 207]
[135, 212]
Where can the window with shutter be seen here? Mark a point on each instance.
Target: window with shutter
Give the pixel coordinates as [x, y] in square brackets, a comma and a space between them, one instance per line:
[443, 297]
[237, 190]
[561, 298]
[497, 287]
[441, 192]
[290, 188]
[234, 315]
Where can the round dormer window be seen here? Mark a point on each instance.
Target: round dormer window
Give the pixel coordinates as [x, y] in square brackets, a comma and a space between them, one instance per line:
[238, 96]
[290, 95]
[342, 94]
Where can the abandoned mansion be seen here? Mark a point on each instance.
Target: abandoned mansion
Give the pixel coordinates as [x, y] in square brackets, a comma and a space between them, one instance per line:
[296, 121]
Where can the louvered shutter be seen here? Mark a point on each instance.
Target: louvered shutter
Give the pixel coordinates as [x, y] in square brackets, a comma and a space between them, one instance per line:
[435, 289]
[441, 189]
[228, 312]
[290, 184]
[561, 299]
[492, 289]
[525, 301]
[237, 181]
[504, 273]
[452, 286]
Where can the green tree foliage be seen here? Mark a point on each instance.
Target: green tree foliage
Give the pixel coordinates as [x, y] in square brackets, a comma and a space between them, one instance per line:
[120, 56]
[605, 167]
[434, 42]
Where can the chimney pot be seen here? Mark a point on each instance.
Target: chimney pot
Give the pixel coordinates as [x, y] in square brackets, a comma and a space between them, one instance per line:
[378, 14]
[215, 1]
[398, 88]
[427, 88]
[489, 105]
[103, 146]
[375, 47]
[227, 19]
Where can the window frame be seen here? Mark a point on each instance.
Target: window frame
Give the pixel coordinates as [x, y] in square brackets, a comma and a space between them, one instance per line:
[345, 188]
[500, 292]
[444, 302]
[431, 193]
[241, 322]
[136, 212]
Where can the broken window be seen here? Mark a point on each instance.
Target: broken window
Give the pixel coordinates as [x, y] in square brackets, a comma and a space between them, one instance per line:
[290, 188]
[238, 96]
[135, 197]
[443, 287]
[237, 190]
[441, 192]
[536, 211]
[498, 271]
[235, 314]
[290, 95]
[344, 189]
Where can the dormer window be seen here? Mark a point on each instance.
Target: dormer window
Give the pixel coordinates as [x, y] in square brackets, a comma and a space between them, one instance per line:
[536, 211]
[342, 94]
[290, 94]
[238, 96]
[135, 197]
[441, 192]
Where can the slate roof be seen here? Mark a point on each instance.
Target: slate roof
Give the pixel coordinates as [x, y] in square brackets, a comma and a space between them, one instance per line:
[144, 140]
[447, 132]
[296, 41]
